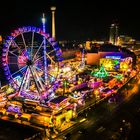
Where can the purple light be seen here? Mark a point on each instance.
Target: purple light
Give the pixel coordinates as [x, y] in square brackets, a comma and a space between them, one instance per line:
[60, 59]
[33, 29]
[56, 48]
[38, 30]
[25, 29]
[50, 39]
[16, 32]
[14, 109]
[59, 53]
[29, 28]
[47, 35]
[4, 59]
[20, 29]
[5, 45]
[6, 73]
[4, 64]
[7, 41]
[54, 43]
[5, 68]
[8, 77]
[4, 54]
[10, 37]
[13, 34]
[29, 96]
[4, 49]
[10, 80]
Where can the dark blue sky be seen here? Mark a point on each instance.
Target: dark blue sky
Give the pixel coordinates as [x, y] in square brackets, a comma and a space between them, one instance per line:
[75, 19]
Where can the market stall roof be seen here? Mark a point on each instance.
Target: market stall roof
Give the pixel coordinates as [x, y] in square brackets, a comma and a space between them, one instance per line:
[83, 89]
[58, 99]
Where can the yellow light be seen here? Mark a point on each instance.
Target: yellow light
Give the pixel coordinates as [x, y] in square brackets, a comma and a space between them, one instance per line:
[0, 38]
[96, 92]
[9, 90]
[82, 120]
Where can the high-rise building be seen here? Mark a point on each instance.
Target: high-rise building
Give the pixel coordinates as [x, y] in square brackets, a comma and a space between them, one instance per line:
[113, 34]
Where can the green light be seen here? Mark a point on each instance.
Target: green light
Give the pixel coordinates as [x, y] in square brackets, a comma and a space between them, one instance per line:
[101, 73]
[116, 62]
[119, 76]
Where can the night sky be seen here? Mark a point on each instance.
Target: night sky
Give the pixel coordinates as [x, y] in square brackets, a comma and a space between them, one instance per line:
[75, 19]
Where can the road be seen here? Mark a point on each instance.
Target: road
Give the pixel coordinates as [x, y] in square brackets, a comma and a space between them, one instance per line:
[111, 124]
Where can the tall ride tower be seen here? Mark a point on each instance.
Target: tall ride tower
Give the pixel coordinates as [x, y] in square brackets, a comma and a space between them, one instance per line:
[45, 58]
[113, 34]
[53, 21]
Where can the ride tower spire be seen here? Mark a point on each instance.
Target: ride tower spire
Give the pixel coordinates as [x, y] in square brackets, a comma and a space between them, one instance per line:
[45, 58]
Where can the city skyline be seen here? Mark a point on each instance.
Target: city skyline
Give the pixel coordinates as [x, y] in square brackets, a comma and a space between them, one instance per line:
[74, 19]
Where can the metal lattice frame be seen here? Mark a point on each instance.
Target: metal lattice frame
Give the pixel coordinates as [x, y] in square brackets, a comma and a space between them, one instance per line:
[23, 52]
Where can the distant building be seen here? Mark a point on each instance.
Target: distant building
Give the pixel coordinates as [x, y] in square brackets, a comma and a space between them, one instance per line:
[124, 40]
[88, 45]
[113, 34]
[109, 51]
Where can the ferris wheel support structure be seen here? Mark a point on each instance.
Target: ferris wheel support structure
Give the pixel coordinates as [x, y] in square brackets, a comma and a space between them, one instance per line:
[24, 64]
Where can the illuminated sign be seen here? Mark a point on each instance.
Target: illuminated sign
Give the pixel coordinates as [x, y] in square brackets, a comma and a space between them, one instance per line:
[109, 63]
[113, 57]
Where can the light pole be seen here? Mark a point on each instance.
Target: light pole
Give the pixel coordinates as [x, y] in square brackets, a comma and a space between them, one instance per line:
[83, 57]
[44, 39]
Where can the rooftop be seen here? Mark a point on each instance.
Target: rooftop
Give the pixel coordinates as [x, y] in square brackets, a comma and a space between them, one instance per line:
[58, 99]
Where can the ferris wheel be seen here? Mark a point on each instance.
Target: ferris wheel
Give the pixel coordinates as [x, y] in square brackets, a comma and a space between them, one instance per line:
[23, 60]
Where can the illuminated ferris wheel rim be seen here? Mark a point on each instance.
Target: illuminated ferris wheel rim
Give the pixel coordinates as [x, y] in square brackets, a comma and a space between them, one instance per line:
[21, 31]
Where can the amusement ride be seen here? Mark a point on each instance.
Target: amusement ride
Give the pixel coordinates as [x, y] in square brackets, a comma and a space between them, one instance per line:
[30, 58]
